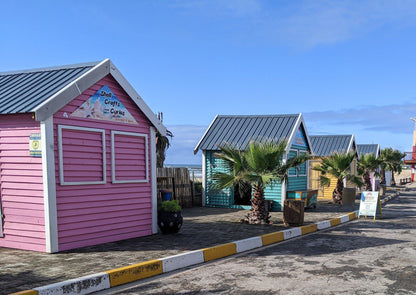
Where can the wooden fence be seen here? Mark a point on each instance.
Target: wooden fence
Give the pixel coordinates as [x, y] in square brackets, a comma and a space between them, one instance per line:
[178, 180]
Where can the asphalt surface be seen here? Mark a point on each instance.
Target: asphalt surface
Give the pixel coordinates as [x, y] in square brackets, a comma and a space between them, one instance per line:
[203, 227]
[360, 257]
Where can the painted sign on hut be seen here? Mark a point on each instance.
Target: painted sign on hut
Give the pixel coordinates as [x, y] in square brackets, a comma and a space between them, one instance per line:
[77, 158]
[239, 131]
[325, 146]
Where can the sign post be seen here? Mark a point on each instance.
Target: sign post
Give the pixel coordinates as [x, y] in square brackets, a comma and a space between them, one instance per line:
[368, 204]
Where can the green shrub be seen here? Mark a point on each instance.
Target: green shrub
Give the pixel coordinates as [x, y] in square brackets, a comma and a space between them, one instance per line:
[198, 187]
[170, 206]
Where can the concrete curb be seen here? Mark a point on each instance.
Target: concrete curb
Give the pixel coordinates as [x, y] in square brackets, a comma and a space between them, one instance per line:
[119, 276]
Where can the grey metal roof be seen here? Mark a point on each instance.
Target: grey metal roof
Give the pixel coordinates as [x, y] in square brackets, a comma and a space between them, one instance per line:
[364, 149]
[239, 130]
[325, 145]
[22, 91]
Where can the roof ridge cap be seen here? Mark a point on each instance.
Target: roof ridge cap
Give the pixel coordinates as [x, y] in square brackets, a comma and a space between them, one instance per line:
[253, 116]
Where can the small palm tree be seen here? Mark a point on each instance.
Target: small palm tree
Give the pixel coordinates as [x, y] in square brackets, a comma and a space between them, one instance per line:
[259, 165]
[339, 166]
[162, 144]
[396, 164]
[366, 165]
[390, 160]
[386, 157]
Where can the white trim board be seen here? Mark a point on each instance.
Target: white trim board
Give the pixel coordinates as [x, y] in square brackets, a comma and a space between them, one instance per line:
[153, 178]
[49, 185]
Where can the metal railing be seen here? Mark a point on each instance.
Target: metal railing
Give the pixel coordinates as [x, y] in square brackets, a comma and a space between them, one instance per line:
[405, 180]
[409, 156]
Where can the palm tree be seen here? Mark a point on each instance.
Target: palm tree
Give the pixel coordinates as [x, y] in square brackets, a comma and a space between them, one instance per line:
[261, 164]
[386, 157]
[162, 144]
[390, 160]
[366, 165]
[396, 165]
[339, 166]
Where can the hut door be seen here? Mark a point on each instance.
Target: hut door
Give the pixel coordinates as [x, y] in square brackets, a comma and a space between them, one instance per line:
[242, 196]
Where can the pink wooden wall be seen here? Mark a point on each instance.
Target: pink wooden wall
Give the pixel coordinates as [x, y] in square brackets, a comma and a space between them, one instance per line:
[21, 185]
[100, 213]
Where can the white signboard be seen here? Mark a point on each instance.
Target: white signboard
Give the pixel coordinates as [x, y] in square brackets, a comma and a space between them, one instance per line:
[388, 178]
[368, 204]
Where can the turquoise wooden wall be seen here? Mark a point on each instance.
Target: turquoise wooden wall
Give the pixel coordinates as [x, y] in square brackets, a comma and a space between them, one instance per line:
[274, 193]
[225, 198]
[214, 197]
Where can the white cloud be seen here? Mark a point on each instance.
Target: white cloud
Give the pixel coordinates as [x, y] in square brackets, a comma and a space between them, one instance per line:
[325, 22]
[389, 118]
[309, 23]
[389, 126]
[185, 138]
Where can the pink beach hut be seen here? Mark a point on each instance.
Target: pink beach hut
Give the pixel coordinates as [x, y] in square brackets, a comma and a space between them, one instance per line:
[77, 158]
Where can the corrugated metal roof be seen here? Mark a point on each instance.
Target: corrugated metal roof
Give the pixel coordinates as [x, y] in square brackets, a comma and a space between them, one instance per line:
[22, 91]
[239, 130]
[364, 149]
[325, 145]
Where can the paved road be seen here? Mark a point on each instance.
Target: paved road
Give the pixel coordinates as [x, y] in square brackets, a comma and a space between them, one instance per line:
[361, 257]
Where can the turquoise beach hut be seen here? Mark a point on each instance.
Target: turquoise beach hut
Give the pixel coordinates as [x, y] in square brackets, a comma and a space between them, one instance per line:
[239, 131]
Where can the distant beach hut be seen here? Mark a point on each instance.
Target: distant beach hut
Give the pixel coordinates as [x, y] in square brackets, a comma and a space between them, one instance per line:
[77, 158]
[239, 131]
[363, 149]
[325, 146]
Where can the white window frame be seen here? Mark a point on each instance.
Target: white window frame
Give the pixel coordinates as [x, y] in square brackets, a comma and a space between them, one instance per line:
[61, 156]
[296, 170]
[113, 157]
[306, 164]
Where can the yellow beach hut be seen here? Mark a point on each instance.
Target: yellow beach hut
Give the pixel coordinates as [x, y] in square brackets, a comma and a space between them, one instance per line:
[325, 146]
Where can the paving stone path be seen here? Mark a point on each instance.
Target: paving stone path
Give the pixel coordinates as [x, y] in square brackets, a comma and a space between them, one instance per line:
[203, 227]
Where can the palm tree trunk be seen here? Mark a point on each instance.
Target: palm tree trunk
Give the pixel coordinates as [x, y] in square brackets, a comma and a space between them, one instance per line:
[367, 182]
[382, 176]
[258, 212]
[337, 194]
[393, 181]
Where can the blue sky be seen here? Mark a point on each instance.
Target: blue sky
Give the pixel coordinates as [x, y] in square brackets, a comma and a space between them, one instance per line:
[348, 66]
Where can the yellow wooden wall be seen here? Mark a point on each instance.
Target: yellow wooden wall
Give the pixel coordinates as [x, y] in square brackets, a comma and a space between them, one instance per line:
[325, 193]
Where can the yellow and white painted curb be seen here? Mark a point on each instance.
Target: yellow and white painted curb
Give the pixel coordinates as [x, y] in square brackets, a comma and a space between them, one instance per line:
[128, 274]
[396, 189]
[389, 197]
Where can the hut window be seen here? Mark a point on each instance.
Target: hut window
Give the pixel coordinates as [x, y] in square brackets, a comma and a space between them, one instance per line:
[81, 155]
[302, 167]
[129, 157]
[292, 171]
